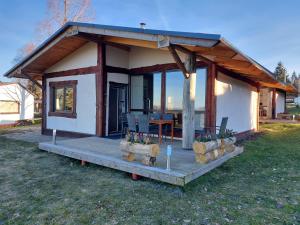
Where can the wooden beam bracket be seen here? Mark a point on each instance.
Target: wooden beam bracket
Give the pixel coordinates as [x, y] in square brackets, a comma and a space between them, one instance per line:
[178, 61]
[32, 80]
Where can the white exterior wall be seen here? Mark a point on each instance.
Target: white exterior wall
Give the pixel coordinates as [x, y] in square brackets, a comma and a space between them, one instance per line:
[141, 57]
[85, 122]
[14, 92]
[117, 57]
[85, 56]
[238, 101]
[280, 102]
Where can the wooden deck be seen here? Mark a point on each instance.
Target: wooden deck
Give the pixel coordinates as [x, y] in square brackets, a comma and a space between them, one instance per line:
[105, 152]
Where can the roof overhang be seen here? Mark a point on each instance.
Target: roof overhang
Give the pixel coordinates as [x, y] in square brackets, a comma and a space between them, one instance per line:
[209, 46]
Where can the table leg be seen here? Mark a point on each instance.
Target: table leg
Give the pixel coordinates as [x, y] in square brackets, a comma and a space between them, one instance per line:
[172, 131]
[160, 133]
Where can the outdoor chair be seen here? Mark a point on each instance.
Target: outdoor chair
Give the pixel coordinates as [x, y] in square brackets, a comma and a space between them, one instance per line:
[154, 116]
[214, 132]
[131, 122]
[144, 126]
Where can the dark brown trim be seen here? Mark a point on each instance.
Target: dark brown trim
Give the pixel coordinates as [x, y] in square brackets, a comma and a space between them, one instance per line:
[161, 67]
[163, 92]
[257, 109]
[210, 98]
[274, 103]
[63, 133]
[285, 107]
[44, 104]
[18, 112]
[73, 72]
[114, 69]
[101, 79]
[86, 70]
[237, 77]
[63, 84]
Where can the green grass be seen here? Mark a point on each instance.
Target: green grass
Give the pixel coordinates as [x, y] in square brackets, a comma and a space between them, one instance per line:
[261, 186]
[294, 110]
[18, 129]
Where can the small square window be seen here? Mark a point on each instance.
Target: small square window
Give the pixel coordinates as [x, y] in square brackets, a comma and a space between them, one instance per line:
[63, 99]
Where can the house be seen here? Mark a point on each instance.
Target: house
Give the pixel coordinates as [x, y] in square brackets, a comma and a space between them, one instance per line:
[16, 103]
[274, 101]
[93, 74]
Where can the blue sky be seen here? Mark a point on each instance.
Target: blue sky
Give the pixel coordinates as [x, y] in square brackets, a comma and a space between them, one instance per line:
[268, 31]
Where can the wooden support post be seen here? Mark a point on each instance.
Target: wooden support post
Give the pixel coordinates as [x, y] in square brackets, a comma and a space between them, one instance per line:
[101, 79]
[210, 101]
[135, 176]
[258, 104]
[274, 103]
[44, 104]
[163, 92]
[285, 108]
[188, 103]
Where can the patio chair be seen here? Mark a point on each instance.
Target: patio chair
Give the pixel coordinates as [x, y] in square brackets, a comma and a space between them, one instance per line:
[144, 126]
[131, 122]
[214, 132]
[154, 116]
[124, 124]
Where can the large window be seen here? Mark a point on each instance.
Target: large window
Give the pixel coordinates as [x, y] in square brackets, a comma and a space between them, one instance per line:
[174, 95]
[63, 98]
[9, 107]
[146, 92]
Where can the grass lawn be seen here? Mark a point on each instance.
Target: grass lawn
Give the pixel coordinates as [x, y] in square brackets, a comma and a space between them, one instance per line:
[294, 110]
[261, 186]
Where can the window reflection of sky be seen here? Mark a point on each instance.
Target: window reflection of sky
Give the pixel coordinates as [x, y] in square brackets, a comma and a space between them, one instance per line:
[174, 90]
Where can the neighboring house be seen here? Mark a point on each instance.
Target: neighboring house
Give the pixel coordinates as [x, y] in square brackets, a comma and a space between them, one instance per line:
[16, 103]
[272, 102]
[94, 74]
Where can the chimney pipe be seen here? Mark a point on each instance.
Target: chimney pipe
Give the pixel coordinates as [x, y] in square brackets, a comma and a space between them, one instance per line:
[142, 25]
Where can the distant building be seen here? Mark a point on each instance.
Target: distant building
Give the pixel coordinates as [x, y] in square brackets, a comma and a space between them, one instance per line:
[16, 103]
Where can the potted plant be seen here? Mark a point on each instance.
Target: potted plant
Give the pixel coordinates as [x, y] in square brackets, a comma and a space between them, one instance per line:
[208, 148]
[135, 143]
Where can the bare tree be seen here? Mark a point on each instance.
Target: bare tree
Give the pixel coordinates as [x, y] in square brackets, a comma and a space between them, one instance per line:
[24, 51]
[62, 11]
[58, 13]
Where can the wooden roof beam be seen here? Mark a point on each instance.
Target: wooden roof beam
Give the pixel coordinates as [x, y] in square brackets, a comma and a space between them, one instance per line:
[100, 39]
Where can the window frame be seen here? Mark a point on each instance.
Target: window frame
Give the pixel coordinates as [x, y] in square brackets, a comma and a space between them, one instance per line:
[12, 101]
[62, 84]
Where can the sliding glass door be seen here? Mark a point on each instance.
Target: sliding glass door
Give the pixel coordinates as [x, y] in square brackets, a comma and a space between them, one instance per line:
[147, 94]
[174, 95]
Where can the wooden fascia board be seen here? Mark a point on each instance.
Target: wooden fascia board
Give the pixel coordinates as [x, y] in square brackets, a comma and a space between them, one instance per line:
[148, 37]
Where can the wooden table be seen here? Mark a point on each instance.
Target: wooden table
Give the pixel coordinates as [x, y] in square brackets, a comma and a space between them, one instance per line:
[160, 123]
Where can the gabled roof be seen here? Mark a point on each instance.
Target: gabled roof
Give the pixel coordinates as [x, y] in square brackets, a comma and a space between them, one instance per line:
[209, 46]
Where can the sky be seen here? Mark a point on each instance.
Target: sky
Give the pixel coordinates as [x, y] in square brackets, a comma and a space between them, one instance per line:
[267, 31]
